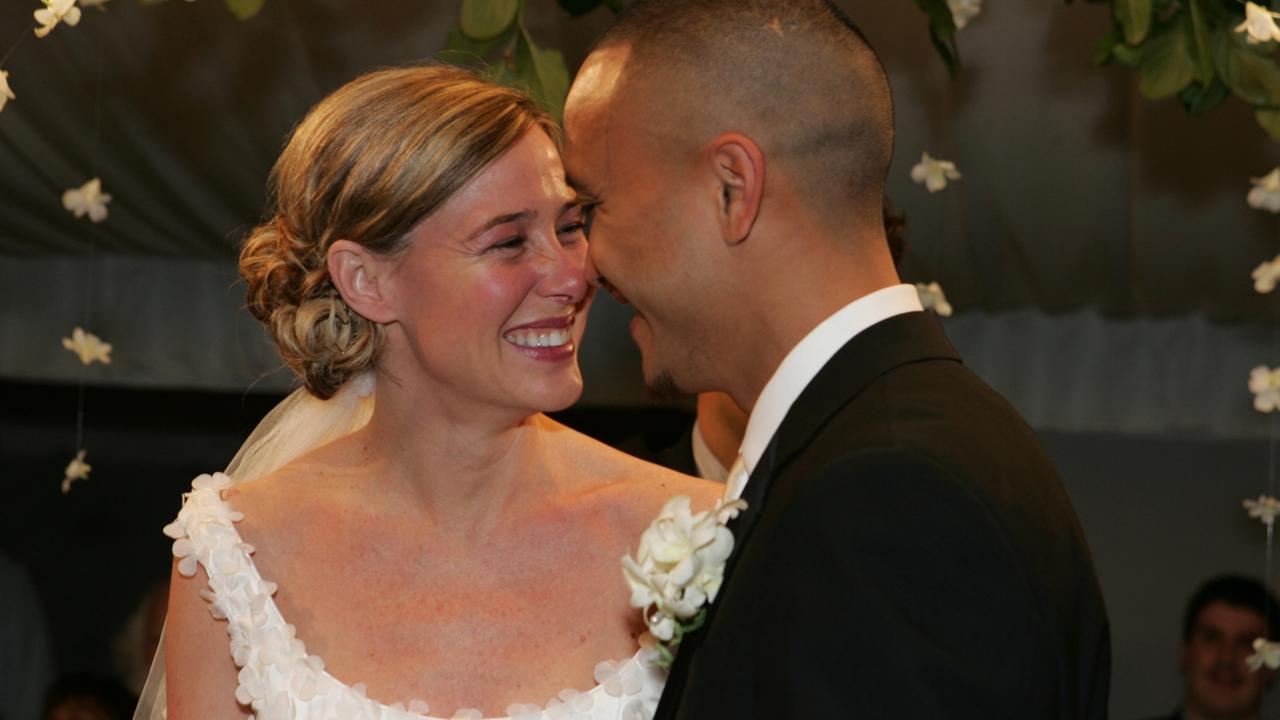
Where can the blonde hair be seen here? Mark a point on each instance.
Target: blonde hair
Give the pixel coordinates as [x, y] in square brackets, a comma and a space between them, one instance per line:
[367, 164]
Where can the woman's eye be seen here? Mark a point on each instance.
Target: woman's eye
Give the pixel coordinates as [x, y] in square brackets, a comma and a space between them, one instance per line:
[573, 228]
[508, 244]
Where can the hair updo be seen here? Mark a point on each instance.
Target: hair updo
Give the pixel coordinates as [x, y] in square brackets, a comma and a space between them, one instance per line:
[367, 164]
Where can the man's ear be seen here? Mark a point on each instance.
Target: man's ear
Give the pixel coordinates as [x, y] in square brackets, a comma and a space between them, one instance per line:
[362, 277]
[738, 165]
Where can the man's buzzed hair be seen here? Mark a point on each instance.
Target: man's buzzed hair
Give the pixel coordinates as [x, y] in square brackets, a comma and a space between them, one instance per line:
[797, 76]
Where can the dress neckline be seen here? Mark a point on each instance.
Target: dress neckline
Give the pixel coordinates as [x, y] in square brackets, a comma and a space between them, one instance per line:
[273, 610]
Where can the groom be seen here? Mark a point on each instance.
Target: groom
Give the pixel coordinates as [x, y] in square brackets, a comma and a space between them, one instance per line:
[908, 550]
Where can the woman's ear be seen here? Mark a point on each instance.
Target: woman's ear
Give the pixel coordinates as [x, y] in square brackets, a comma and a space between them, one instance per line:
[362, 278]
[738, 165]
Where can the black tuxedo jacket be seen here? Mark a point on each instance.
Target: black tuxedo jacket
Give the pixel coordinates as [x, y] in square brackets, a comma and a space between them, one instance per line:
[908, 552]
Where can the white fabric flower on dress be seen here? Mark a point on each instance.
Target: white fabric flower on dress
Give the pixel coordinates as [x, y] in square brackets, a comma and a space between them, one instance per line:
[419, 707]
[1265, 275]
[1265, 508]
[1264, 383]
[524, 711]
[637, 710]
[88, 347]
[77, 469]
[618, 679]
[569, 705]
[1259, 24]
[934, 173]
[1265, 194]
[88, 199]
[1266, 653]
[932, 298]
[6, 92]
[468, 714]
[54, 12]
[962, 11]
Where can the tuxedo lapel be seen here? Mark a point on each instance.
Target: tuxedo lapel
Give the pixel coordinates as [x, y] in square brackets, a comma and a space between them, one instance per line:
[896, 341]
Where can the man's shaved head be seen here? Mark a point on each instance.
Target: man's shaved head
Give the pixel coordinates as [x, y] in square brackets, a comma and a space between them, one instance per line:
[795, 75]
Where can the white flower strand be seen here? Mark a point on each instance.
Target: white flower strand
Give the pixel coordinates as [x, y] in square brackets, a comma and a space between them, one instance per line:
[1266, 275]
[1265, 508]
[1264, 383]
[88, 347]
[933, 298]
[1259, 24]
[54, 12]
[964, 11]
[934, 173]
[6, 92]
[1265, 194]
[88, 199]
[1265, 653]
[77, 469]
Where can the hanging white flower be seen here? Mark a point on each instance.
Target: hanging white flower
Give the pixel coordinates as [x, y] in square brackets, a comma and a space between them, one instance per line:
[935, 173]
[932, 298]
[1265, 508]
[77, 469]
[1266, 653]
[88, 199]
[54, 12]
[88, 347]
[1264, 383]
[962, 11]
[1265, 194]
[1266, 275]
[1259, 24]
[6, 92]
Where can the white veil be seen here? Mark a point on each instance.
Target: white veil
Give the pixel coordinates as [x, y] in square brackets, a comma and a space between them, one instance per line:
[299, 424]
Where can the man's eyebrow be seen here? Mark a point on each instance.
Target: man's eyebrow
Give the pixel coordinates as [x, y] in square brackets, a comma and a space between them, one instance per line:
[502, 220]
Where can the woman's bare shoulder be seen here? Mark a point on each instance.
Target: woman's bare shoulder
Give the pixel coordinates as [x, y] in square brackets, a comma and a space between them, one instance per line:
[637, 484]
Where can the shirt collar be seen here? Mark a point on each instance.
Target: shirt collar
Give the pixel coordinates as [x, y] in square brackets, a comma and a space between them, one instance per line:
[709, 466]
[808, 357]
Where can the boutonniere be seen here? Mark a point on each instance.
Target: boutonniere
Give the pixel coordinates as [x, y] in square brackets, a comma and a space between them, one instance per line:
[678, 569]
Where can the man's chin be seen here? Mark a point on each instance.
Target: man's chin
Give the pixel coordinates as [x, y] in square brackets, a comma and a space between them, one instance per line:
[662, 387]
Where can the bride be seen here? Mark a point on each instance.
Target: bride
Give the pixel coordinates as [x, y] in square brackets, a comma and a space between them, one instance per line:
[408, 534]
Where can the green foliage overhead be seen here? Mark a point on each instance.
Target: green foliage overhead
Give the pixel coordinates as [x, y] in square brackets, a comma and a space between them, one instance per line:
[1191, 49]
[492, 34]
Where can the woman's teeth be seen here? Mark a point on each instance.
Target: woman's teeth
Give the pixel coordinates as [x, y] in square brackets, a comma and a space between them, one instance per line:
[539, 338]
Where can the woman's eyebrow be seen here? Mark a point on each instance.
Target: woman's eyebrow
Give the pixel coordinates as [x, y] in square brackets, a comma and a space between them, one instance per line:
[502, 220]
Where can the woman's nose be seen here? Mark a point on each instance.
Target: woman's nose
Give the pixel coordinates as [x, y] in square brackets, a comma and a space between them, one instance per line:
[566, 273]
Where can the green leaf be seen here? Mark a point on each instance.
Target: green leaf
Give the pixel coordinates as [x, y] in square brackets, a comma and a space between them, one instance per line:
[1129, 57]
[1270, 121]
[942, 32]
[485, 19]
[244, 9]
[1252, 77]
[1134, 17]
[462, 50]
[1104, 51]
[542, 73]
[1167, 66]
[1201, 41]
[1198, 99]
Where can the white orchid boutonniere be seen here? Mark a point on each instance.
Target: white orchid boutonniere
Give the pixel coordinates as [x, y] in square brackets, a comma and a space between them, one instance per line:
[678, 569]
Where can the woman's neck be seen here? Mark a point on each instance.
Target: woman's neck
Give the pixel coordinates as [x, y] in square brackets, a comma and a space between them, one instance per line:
[464, 465]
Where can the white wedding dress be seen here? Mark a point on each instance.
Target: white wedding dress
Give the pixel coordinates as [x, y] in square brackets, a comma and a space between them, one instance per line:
[278, 678]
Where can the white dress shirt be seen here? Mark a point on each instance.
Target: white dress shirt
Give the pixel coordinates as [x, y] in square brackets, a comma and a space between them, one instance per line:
[708, 465]
[804, 362]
